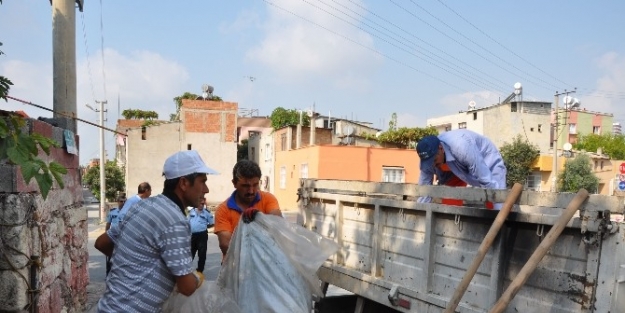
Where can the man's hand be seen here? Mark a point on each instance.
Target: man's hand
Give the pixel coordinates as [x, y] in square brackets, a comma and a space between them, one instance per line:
[249, 214]
[200, 279]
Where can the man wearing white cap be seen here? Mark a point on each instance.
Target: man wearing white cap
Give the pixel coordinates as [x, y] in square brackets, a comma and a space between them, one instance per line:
[153, 242]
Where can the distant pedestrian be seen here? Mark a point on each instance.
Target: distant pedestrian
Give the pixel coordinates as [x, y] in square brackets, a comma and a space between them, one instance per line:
[200, 220]
[112, 219]
[143, 191]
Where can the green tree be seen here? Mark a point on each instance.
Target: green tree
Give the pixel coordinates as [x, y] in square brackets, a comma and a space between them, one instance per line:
[131, 114]
[612, 145]
[518, 157]
[242, 150]
[392, 124]
[23, 149]
[403, 136]
[281, 117]
[113, 176]
[578, 174]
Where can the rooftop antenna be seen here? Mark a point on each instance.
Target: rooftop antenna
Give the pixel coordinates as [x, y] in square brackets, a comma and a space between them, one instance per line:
[207, 91]
[471, 105]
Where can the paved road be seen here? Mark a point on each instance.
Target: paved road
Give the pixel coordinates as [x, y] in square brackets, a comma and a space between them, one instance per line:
[97, 261]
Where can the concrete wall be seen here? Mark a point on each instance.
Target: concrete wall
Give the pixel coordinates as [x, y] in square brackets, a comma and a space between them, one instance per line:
[501, 125]
[262, 146]
[339, 162]
[146, 153]
[206, 126]
[54, 229]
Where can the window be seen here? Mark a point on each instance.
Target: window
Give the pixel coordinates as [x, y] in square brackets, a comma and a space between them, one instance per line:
[540, 126]
[572, 129]
[596, 130]
[282, 177]
[462, 125]
[474, 116]
[283, 142]
[267, 152]
[533, 181]
[303, 170]
[143, 133]
[512, 107]
[447, 128]
[393, 174]
[252, 134]
[189, 146]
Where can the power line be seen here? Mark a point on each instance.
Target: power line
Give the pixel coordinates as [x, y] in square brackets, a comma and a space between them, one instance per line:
[419, 39]
[84, 35]
[468, 48]
[65, 114]
[393, 44]
[500, 44]
[363, 46]
[430, 54]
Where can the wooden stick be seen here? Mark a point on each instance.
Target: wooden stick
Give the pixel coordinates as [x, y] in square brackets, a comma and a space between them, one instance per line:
[483, 249]
[540, 252]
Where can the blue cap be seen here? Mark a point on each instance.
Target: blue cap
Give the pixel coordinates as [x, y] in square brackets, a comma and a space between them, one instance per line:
[427, 148]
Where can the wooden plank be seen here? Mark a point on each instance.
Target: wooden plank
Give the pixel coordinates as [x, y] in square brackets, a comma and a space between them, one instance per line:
[428, 258]
[616, 204]
[338, 224]
[376, 244]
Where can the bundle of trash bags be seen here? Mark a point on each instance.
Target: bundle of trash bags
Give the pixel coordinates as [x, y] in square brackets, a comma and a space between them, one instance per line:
[271, 266]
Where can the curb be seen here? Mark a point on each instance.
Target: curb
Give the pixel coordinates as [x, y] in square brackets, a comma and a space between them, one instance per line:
[97, 232]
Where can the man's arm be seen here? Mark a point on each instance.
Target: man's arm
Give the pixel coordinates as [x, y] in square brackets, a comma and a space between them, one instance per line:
[104, 244]
[188, 284]
[224, 237]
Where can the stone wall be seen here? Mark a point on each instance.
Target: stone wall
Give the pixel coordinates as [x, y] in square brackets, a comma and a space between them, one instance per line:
[53, 230]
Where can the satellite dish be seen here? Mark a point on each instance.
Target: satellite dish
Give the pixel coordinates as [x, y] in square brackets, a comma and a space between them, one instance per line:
[567, 147]
[570, 102]
[207, 88]
[309, 113]
[378, 134]
[349, 130]
[471, 105]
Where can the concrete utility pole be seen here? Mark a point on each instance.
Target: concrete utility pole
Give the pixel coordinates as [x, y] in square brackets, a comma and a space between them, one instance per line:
[556, 135]
[64, 59]
[102, 160]
[102, 165]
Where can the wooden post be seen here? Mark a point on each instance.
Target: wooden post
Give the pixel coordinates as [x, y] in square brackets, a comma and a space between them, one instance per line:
[540, 252]
[483, 249]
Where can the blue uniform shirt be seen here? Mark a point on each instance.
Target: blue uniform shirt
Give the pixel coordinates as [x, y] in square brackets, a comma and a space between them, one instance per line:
[471, 157]
[129, 203]
[199, 221]
[113, 217]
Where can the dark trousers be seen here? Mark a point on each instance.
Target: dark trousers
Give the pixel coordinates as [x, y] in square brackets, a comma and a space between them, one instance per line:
[198, 244]
[108, 265]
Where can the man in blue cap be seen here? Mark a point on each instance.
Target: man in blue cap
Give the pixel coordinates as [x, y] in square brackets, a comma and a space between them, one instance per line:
[460, 157]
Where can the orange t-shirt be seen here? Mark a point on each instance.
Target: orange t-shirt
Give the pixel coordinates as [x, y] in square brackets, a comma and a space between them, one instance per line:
[227, 218]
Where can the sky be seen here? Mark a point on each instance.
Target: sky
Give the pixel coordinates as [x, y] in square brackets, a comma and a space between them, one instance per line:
[355, 59]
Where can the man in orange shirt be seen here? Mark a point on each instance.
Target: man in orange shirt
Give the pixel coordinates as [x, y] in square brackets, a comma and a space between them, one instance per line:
[246, 200]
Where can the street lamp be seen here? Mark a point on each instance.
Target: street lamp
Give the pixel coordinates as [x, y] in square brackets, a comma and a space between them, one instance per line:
[102, 160]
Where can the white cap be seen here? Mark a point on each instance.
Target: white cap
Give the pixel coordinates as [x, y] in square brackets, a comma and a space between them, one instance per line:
[183, 163]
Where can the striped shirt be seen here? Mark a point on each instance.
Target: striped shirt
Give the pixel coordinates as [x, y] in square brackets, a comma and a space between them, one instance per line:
[152, 247]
